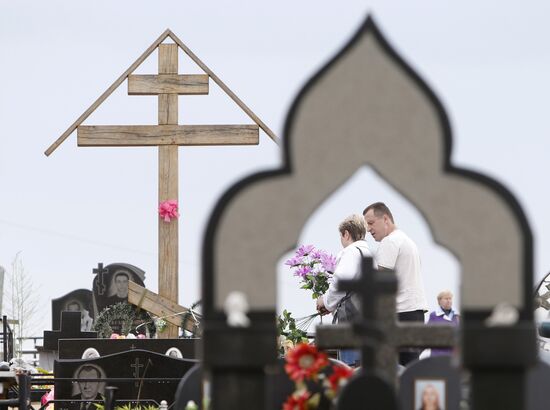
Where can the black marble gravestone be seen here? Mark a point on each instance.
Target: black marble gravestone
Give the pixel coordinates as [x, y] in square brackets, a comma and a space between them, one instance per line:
[78, 300]
[538, 386]
[189, 388]
[138, 375]
[74, 348]
[434, 378]
[110, 284]
[70, 329]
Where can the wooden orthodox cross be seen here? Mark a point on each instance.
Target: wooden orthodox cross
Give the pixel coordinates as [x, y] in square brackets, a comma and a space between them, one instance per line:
[167, 135]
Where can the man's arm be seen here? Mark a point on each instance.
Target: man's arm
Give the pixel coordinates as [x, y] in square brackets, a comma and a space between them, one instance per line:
[386, 256]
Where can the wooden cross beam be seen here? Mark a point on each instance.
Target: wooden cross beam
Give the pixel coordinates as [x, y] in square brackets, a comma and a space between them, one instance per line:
[161, 307]
[380, 313]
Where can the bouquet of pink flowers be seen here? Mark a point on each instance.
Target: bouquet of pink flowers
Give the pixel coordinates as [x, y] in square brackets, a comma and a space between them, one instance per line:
[314, 267]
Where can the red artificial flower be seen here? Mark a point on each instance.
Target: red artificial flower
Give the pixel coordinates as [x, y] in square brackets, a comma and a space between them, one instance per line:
[339, 374]
[304, 361]
[297, 402]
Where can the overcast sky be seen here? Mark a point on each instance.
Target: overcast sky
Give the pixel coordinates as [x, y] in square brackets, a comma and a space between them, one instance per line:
[487, 61]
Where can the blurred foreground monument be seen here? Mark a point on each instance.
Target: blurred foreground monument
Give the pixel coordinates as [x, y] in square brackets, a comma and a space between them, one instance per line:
[367, 107]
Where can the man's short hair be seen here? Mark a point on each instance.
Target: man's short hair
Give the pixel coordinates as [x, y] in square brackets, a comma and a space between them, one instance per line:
[444, 293]
[379, 209]
[355, 225]
[121, 273]
[87, 368]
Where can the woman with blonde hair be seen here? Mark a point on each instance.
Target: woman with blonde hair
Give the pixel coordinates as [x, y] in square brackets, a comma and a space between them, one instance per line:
[430, 398]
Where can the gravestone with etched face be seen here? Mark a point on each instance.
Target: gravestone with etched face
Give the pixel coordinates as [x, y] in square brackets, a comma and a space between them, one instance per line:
[179, 348]
[110, 284]
[79, 300]
[147, 376]
[430, 383]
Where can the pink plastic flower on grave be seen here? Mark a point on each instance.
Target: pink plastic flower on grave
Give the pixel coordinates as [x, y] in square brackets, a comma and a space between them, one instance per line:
[168, 210]
[114, 336]
[141, 336]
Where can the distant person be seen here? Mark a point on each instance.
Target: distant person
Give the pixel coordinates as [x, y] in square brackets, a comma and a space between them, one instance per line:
[89, 390]
[444, 314]
[398, 252]
[430, 398]
[119, 288]
[348, 266]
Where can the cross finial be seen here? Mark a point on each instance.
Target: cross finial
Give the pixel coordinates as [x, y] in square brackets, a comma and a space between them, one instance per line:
[100, 271]
[370, 286]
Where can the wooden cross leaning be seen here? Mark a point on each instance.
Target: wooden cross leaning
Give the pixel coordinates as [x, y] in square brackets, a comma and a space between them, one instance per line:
[167, 135]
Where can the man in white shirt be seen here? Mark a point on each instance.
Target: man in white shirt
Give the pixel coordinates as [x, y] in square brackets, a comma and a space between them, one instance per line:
[348, 266]
[398, 252]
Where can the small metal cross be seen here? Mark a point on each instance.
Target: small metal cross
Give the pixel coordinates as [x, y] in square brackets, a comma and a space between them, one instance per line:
[100, 272]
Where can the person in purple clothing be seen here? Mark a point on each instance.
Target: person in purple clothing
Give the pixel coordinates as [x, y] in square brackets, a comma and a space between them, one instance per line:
[444, 314]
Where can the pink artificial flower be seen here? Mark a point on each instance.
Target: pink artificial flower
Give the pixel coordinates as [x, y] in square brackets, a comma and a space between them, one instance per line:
[114, 336]
[168, 210]
[329, 262]
[302, 271]
[141, 336]
[317, 254]
[295, 261]
[304, 250]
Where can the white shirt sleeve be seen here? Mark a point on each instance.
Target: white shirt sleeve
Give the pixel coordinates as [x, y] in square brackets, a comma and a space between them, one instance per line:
[347, 267]
[387, 253]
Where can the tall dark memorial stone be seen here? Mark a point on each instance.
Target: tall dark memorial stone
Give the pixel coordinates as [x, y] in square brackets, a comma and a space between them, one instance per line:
[148, 376]
[110, 284]
[79, 300]
[367, 107]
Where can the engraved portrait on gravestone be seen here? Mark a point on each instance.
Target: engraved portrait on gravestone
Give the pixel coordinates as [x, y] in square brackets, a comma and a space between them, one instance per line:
[86, 321]
[90, 353]
[174, 352]
[118, 289]
[87, 389]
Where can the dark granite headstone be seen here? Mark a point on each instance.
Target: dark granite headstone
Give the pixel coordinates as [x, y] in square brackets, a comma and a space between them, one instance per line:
[110, 284]
[74, 348]
[136, 366]
[189, 388]
[538, 386]
[70, 329]
[434, 378]
[79, 300]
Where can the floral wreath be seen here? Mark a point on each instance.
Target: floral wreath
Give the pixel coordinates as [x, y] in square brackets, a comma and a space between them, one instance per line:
[127, 314]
